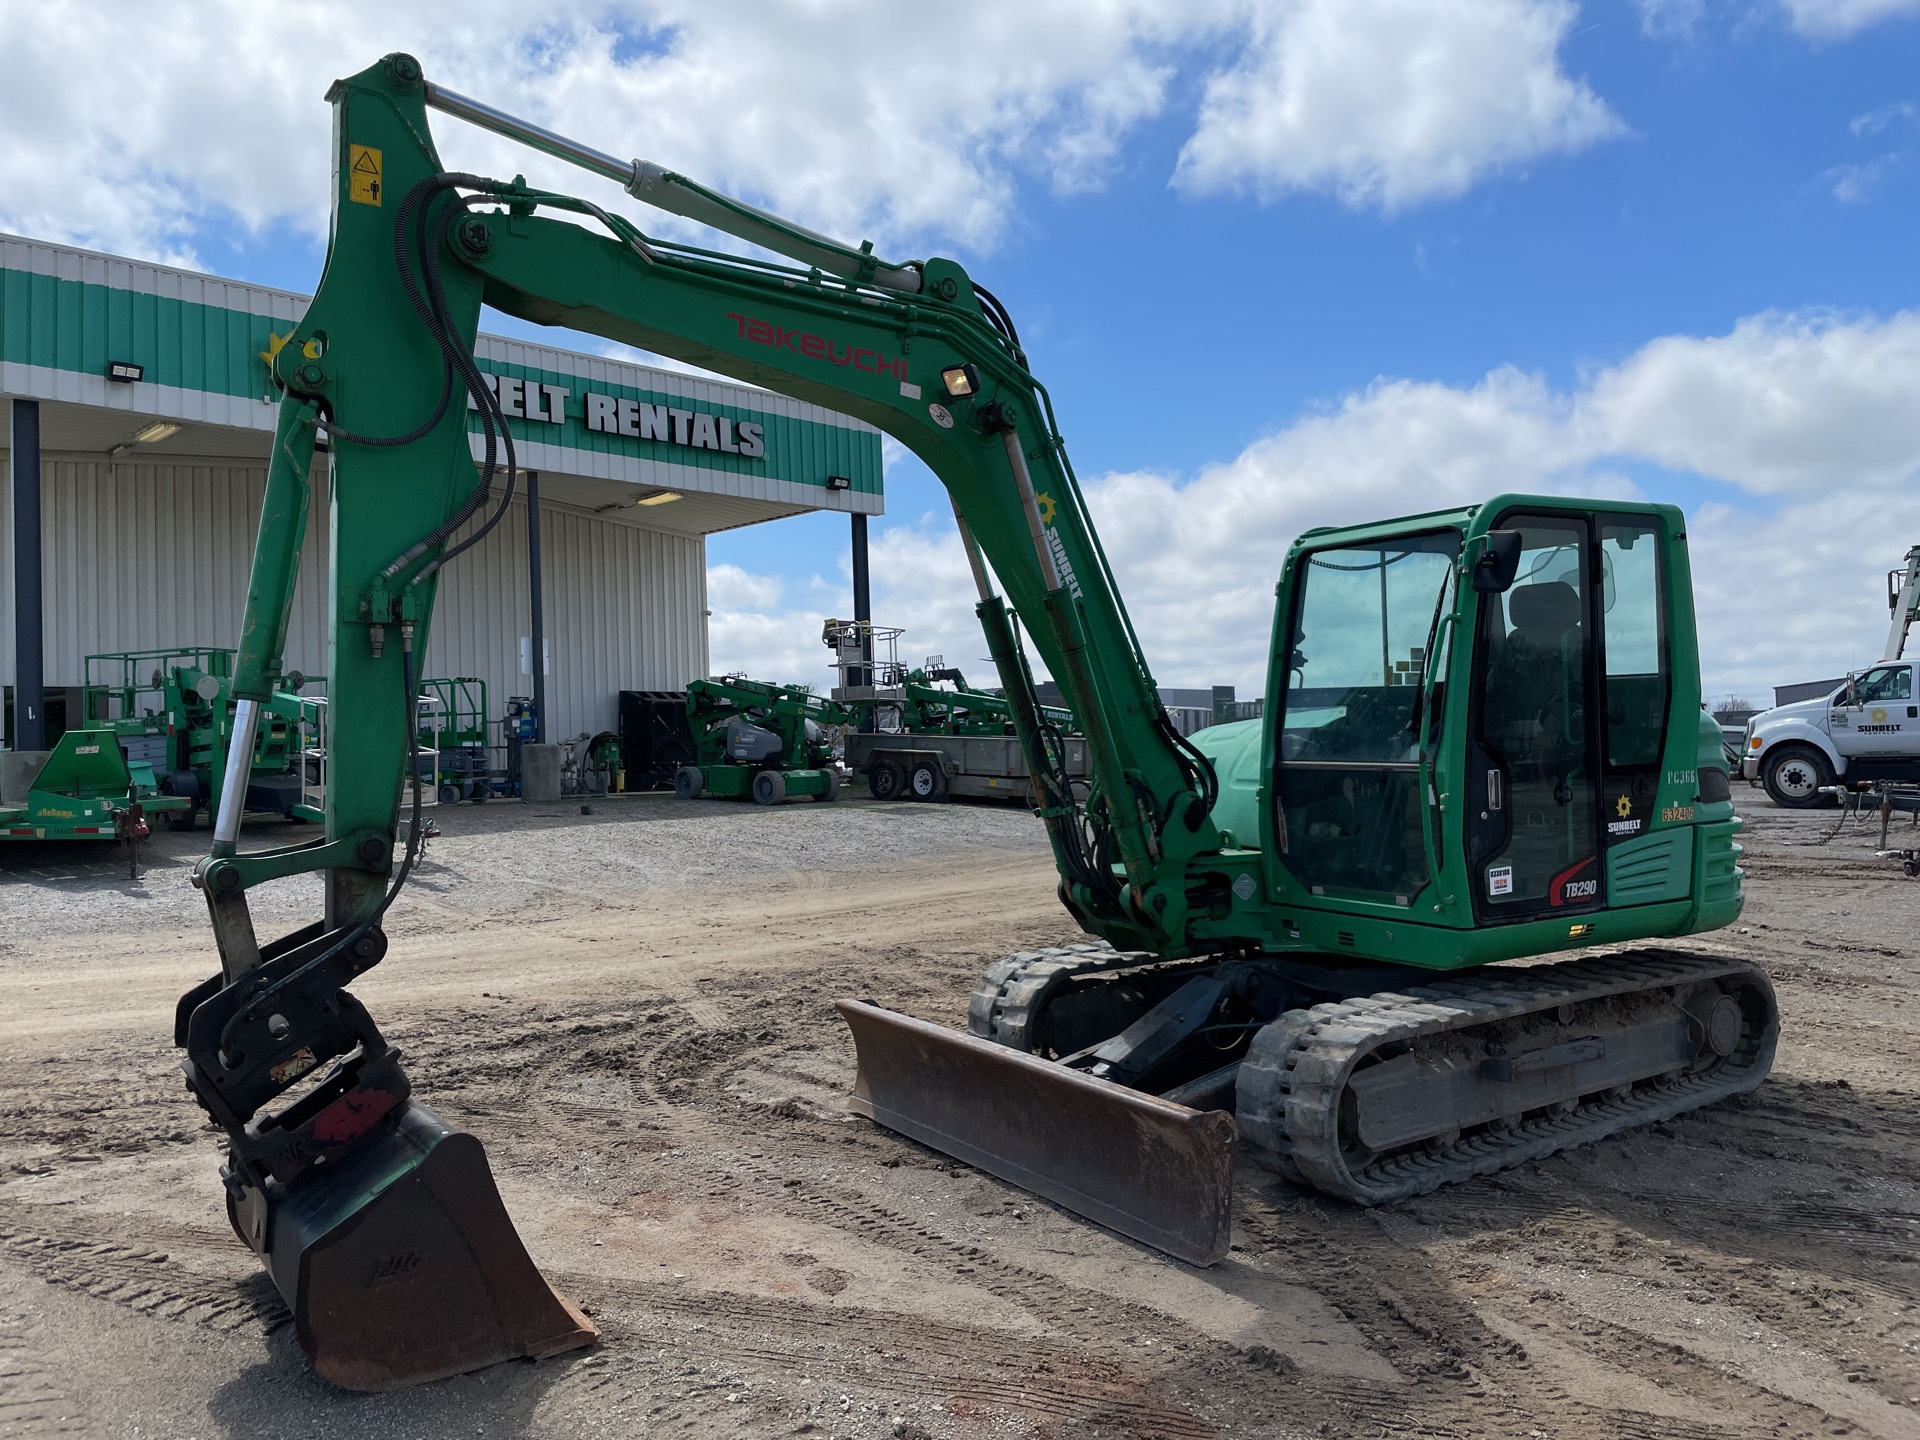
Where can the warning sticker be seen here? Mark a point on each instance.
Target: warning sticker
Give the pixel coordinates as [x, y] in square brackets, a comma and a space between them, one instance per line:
[1499, 881]
[363, 175]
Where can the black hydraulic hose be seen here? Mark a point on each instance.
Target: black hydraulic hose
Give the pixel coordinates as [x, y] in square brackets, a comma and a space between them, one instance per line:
[998, 314]
[406, 221]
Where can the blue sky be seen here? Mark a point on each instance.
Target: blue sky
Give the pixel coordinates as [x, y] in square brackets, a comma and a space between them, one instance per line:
[1280, 262]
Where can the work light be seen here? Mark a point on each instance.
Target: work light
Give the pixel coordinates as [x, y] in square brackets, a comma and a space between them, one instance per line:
[961, 381]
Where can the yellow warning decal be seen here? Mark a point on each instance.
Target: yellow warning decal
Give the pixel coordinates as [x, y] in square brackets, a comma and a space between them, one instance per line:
[363, 175]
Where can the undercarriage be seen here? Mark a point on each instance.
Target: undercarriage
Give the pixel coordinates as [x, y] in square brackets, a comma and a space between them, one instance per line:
[1371, 1083]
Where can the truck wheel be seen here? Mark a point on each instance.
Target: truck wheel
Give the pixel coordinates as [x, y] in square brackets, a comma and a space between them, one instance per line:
[1793, 775]
[886, 780]
[832, 792]
[924, 781]
[180, 819]
[770, 787]
[688, 782]
[449, 794]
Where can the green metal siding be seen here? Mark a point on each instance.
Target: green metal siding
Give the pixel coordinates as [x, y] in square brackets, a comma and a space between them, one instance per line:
[71, 325]
[79, 327]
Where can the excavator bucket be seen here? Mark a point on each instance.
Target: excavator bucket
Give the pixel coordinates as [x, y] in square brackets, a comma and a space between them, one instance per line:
[1146, 1167]
[401, 1265]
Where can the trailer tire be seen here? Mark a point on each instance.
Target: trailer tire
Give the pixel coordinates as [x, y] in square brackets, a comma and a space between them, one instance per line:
[770, 787]
[886, 780]
[925, 782]
[1793, 775]
[180, 819]
[832, 792]
[688, 782]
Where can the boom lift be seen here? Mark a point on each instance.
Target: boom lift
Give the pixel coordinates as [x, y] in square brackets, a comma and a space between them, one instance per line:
[760, 739]
[1481, 742]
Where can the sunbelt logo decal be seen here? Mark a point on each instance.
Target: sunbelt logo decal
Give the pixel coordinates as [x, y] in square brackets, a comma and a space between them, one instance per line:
[1048, 510]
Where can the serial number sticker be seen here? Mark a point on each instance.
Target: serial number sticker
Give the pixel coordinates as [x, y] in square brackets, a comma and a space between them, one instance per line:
[1499, 881]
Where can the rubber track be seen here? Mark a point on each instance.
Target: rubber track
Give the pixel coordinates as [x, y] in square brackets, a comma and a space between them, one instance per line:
[1003, 1005]
[1297, 1068]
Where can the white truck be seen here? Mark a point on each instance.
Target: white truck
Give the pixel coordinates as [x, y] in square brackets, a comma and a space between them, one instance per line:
[1866, 729]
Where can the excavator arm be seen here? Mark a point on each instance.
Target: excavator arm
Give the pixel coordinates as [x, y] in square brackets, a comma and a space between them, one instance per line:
[378, 1221]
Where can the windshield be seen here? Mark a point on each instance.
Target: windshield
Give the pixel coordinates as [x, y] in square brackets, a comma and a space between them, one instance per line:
[1365, 621]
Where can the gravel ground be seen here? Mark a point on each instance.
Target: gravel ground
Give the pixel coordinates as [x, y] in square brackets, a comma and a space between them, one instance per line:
[632, 1009]
[496, 858]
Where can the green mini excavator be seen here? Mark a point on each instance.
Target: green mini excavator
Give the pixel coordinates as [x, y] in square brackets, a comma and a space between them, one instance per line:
[1482, 743]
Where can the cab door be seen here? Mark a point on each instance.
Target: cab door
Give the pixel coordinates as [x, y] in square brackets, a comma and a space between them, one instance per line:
[1877, 715]
[1533, 828]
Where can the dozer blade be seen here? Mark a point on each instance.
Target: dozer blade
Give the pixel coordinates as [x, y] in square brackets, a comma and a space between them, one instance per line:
[401, 1266]
[1135, 1163]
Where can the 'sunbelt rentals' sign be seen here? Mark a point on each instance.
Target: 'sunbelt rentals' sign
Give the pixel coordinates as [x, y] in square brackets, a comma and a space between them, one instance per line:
[634, 419]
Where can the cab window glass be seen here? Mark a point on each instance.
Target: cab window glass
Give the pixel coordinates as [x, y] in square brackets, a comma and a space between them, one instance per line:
[1635, 643]
[1365, 620]
[1889, 682]
[1348, 797]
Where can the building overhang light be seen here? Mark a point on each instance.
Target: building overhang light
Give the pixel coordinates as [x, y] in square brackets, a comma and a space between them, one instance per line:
[839, 482]
[124, 371]
[961, 381]
[156, 432]
[662, 497]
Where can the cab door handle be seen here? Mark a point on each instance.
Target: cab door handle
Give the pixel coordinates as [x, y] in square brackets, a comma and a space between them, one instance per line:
[1493, 790]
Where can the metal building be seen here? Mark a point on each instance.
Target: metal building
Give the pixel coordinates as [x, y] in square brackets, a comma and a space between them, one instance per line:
[148, 389]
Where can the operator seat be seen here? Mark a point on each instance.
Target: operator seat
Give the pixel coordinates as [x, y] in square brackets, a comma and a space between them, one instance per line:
[1533, 688]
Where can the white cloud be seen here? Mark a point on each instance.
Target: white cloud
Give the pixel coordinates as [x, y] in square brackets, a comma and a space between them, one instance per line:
[1784, 402]
[1392, 102]
[139, 128]
[731, 588]
[1837, 19]
[1671, 19]
[1881, 117]
[1801, 426]
[129, 125]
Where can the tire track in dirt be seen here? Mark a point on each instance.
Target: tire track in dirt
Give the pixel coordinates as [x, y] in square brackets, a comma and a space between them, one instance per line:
[905, 1357]
[32, 1401]
[1425, 1311]
[69, 1252]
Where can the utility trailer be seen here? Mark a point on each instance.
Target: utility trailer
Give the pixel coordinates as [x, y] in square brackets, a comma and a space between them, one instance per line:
[918, 741]
[903, 766]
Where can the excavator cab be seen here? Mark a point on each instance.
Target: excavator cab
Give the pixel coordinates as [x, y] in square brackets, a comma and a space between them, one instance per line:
[1481, 741]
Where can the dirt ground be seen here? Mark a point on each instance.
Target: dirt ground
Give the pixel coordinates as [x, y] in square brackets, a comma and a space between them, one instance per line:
[632, 1009]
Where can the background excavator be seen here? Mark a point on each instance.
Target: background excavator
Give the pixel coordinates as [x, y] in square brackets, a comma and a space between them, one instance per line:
[1482, 742]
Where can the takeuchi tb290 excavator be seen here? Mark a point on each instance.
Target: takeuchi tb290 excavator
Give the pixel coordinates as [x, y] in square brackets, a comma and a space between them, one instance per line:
[1482, 742]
